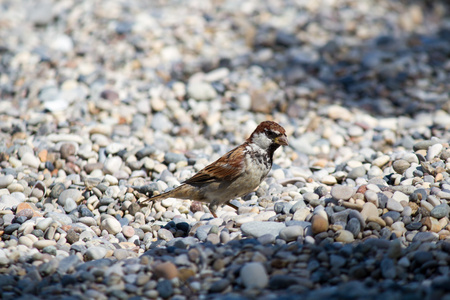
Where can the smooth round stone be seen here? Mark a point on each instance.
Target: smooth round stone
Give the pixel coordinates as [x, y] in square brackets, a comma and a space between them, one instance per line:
[67, 150]
[11, 228]
[113, 164]
[357, 172]
[57, 190]
[400, 166]
[72, 236]
[329, 179]
[41, 244]
[202, 91]
[371, 197]
[112, 225]
[166, 270]
[309, 197]
[63, 219]
[29, 159]
[291, 233]
[394, 205]
[399, 196]
[224, 237]
[381, 161]
[426, 236]
[6, 180]
[318, 224]
[128, 231]
[301, 214]
[266, 239]
[434, 151]
[114, 148]
[440, 211]
[74, 194]
[369, 210]
[344, 236]
[399, 226]
[44, 224]
[256, 228]
[165, 234]
[89, 221]
[354, 226]
[254, 276]
[70, 205]
[24, 240]
[168, 202]
[342, 192]
[8, 201]
[94, 253]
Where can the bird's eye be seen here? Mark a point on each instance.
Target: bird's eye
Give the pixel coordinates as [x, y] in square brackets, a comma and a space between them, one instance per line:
[271, 134]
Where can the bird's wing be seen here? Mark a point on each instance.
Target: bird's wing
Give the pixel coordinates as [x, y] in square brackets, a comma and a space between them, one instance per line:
[226, 168]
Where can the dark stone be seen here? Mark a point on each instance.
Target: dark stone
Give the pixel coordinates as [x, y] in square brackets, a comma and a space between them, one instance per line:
[165, 288]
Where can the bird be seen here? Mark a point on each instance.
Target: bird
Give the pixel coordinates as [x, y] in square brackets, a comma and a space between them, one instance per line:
[236, 174]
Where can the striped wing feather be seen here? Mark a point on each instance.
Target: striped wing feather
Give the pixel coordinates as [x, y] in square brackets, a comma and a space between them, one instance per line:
[227, 168]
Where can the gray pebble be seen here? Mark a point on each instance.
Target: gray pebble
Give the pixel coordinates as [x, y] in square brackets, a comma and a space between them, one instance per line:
[256, 228]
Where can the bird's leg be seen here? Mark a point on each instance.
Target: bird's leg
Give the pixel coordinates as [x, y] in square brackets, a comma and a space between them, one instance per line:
[212, 209]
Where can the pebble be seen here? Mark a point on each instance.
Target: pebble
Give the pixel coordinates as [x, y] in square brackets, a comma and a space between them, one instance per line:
[254, 276]
[112, 225]
[291, 233]
[257, 228]
[342, 192]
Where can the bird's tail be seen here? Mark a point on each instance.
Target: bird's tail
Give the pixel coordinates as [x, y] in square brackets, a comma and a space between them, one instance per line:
[179, 192]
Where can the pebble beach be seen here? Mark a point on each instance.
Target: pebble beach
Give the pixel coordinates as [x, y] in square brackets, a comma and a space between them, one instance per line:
[105, 103]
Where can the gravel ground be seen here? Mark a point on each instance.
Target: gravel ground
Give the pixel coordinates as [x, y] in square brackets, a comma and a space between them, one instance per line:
[105, 102]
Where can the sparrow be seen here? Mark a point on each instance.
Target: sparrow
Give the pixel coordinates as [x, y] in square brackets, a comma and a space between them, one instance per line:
[235, 174]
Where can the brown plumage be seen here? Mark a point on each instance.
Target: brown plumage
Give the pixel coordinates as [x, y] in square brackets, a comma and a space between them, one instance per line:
[235, 174]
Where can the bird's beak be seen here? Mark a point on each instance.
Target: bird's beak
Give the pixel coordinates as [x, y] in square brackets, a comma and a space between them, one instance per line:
[282, 140]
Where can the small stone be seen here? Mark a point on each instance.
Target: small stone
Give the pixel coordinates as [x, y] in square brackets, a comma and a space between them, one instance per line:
[369, 210]
[166, 270]
[74, 194]
[29, 159]
[342, 192]
[202, 91]
[165, 234]
[257, 228]
[112, 225]
[6, 180]
[400, 166]
[41, 244]
[94, 253]
[354, 226]
[291, 233]
[357, 172]
[67, 150]
[394, 205]
[254, 276]
[440, 211]
[426, 237]
[329, 179]
[319, 224]
[381, 160]
[344, 236]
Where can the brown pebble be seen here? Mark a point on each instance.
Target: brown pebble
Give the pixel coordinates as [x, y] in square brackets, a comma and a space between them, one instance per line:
[166, 270]
[43, 155]
[193, 255]
[67, 149]
[25, 206]
[362, 189]
[319, 224]
[184, 274]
